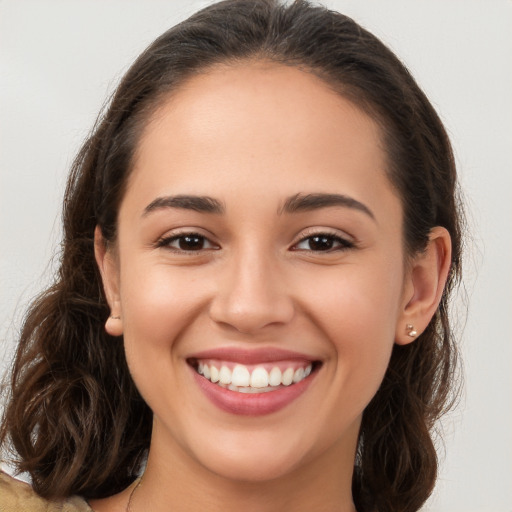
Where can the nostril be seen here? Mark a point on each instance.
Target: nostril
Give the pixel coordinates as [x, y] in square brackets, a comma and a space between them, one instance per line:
[251, 298]
[246, 320]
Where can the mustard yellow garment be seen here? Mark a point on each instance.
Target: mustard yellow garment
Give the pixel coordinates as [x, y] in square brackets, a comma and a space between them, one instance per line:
[16, 496]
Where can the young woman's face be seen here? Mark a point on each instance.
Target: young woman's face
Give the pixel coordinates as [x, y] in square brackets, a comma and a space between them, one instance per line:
[260, 237]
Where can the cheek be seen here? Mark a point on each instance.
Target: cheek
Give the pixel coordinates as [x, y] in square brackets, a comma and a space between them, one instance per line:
[157, 307]
[356, 303]
[357, 313]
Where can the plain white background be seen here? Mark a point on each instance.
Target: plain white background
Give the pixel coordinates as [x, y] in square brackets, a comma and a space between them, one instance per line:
[61, 59]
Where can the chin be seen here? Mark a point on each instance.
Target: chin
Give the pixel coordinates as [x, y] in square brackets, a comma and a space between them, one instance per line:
[254, 456]
[251, 467]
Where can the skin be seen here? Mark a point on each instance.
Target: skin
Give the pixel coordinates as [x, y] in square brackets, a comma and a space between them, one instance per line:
[251, 136]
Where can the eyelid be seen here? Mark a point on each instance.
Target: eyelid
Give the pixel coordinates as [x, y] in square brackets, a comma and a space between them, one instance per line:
[346, 241]
[165, 241]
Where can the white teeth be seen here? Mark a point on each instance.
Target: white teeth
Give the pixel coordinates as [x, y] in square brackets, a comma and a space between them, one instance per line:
[259, 381]
[240, 376]
[274, 378]
[225, 375]
[298, 375]
[287, 377]
[259, 378]
[214, 374]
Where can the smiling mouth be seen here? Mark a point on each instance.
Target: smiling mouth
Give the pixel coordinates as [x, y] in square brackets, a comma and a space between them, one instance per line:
[251, 379]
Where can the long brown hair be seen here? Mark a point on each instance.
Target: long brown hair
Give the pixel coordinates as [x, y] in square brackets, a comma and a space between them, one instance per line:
[74, 417]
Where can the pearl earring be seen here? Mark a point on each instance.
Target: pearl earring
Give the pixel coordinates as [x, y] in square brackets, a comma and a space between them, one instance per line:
[410, 330]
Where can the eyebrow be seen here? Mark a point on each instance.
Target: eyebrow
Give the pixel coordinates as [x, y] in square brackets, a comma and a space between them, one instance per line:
[308, 202]
[296, 203]
[203, 204]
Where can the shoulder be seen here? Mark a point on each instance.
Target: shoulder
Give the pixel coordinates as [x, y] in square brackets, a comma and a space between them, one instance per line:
[16, 496]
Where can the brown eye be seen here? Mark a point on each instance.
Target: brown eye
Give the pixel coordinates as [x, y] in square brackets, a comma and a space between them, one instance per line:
[191, 242]
[322, 242]
[186, 242]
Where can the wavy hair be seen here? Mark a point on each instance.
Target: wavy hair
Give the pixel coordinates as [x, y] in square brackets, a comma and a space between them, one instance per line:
[74, 418]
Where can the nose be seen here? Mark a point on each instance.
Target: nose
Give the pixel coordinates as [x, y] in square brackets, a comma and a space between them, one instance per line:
[252, 295]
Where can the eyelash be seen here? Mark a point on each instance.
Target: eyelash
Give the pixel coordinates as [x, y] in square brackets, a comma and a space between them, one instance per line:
[343, 244]
[166, 242]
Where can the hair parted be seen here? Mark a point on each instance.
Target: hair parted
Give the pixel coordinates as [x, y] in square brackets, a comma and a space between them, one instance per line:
[74, 417]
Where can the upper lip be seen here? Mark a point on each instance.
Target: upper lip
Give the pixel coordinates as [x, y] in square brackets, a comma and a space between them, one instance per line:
[251, 356]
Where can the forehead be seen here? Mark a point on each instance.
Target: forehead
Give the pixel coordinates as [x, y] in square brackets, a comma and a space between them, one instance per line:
[258, 125]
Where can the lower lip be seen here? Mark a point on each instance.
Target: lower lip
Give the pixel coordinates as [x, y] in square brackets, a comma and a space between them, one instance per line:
[246, 404]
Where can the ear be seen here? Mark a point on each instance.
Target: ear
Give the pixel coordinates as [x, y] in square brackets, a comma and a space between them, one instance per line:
[108, 265]
[423, 287]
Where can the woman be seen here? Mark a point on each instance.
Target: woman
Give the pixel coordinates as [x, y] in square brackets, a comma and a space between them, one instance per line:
[261, 236]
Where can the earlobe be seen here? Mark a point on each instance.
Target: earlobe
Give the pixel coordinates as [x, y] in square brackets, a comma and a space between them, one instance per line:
[425, 282]
[107, 264]
[114, 325]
